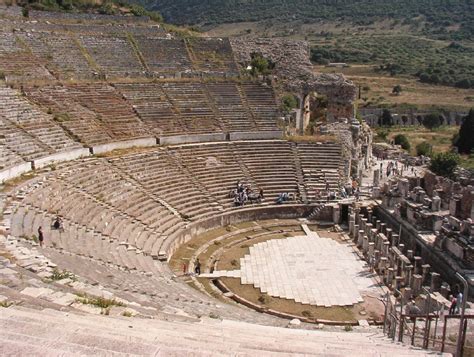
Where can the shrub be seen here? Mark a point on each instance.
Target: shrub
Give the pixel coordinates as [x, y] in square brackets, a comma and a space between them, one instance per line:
[431, 121]
[402, 140]
[424, 148]
[289, 102]
[386, 118]
[444, 163]
[397, 89]
[465, 141]
[260, 65]
[382, 135]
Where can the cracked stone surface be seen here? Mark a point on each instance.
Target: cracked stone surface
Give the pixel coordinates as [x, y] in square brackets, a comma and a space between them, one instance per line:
[307, 269]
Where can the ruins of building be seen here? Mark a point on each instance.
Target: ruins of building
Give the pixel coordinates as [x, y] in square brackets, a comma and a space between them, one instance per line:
[436, 218]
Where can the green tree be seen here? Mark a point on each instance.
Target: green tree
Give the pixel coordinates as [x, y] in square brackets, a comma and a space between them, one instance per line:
[424, 148]
[431, 121]
[402, 140]
[444, 163]
[386, 118]
[465, 141]
[289, 102]
[260, 65]
[397, 89]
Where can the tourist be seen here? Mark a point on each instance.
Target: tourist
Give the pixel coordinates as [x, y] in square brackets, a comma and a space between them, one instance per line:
[57, 224]
[317, 194]
[452, 308]
[261, 193]
[459, 302]
[197, 267]
[343, 192]
[40, 236]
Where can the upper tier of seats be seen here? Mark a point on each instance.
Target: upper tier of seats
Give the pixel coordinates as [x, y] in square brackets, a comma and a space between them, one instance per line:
[78, 51]
[97, 113]
[28, 132]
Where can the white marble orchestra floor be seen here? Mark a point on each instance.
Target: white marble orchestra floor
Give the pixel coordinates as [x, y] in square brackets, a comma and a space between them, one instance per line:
[307, 269]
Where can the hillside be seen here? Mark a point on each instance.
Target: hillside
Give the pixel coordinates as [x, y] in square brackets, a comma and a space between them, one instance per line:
[437, 17]
[423, 39]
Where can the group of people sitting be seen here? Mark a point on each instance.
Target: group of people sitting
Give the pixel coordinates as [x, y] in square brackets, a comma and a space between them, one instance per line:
[243, 194]
[341, 193]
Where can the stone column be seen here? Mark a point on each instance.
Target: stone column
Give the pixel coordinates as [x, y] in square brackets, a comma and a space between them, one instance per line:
[355, 233]
[390, 277]
[376, 178]
[436, 204]
[407, 293]
[444, 290]
[401, 247]
[360, 238]
[408, 275]
[416, 284]
[435, 283]
[385, 249]
[365, 244]
[371, 252]
[425, 268]
[351, 224]
[417, 268]
[383, 262]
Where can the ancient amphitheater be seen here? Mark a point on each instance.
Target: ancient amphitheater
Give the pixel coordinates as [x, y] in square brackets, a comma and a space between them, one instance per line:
[135, 137]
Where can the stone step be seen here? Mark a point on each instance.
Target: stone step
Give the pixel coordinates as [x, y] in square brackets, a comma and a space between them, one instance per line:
[103, 334]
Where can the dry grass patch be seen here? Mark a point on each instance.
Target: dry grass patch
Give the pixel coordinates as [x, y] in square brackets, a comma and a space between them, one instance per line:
[413, 92]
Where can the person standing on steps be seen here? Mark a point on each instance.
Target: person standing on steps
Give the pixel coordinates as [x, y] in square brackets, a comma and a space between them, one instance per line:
[197, 267]
[40, 236]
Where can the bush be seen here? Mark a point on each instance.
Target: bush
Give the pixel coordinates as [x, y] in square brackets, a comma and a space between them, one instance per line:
[289, 102]
[382, 135]
[424, 148]
[444, 163]
[386, 119]
[260, 65]
[402, 140]
[431, 121]
[397, 89]
[465, 141]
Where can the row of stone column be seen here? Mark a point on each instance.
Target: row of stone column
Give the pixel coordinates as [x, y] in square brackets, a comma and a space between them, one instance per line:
[399, 267]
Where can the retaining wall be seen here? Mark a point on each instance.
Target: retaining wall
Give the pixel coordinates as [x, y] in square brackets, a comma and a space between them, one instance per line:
[14, 171]
[172, 243]
[198, 138]
[256, 135]
[126, 144]
[60, 156]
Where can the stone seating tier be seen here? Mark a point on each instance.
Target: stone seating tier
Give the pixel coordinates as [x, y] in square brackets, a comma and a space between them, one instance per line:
[61, 53]
[28, 131]
[213, 55]
[115, 55]
[89, 334]
[144, 199]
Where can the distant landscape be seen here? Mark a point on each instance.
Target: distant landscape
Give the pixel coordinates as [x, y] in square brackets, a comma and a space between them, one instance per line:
[418, 42]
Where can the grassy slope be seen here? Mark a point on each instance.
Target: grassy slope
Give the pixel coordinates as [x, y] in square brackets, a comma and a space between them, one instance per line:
[440, 139]
[414, 93]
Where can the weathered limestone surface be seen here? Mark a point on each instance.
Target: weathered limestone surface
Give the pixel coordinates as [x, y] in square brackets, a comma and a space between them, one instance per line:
[293, 67]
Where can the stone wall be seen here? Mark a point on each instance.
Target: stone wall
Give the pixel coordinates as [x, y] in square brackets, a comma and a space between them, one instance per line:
[293, 67]
[171, 244]
[447, 190]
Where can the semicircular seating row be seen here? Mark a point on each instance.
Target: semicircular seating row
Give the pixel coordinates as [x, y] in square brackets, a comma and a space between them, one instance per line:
[144, 200]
